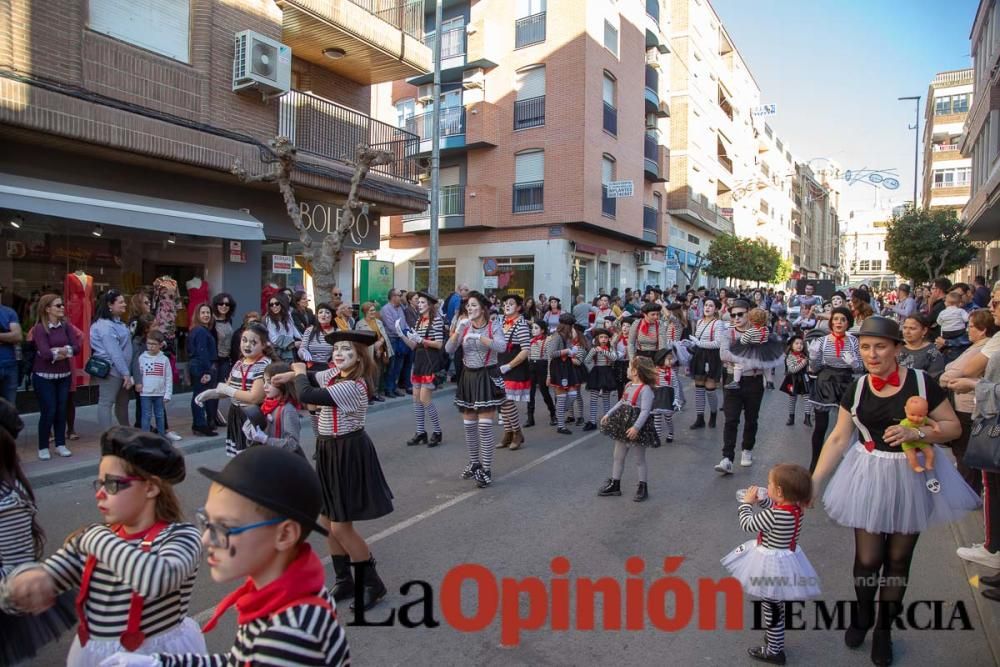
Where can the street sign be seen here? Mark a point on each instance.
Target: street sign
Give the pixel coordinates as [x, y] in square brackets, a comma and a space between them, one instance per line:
[491, 282]
[282, 264]
[672, 264]
[764, 110]
[619, 189]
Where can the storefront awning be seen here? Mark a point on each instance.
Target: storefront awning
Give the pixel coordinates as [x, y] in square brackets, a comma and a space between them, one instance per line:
[77, 202]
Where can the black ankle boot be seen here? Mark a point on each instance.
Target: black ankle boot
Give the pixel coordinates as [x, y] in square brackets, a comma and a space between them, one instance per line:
[552, 419]
[373, 588]
[612, 487]
[699, 422]
[530, 421]
[791, 420]
[807, 420]
[417, 439]
[711, 419]
[435, 439]
[343, 585]
[882, 648]
[590, 426]
[641, 493]
[861, 623]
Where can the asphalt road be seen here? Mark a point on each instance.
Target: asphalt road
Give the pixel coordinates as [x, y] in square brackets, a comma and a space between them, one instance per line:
[542, 505]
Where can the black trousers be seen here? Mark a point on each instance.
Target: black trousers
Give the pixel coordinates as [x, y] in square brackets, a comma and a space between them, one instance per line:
[991, 482]
[539, 371]
[745, 400]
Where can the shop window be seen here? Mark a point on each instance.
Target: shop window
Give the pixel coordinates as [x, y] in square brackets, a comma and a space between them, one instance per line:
[446, 276]
[515, 275]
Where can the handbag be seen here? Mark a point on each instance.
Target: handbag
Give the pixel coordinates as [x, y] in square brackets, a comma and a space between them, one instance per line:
[983, 452]
[98, 368]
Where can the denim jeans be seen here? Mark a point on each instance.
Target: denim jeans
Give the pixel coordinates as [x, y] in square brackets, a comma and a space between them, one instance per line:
[395, 365]
[8, 382]
[53, 396]
[152, 406]
[200, 415]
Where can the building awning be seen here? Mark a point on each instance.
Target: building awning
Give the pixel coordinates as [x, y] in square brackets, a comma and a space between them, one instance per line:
[77, 202]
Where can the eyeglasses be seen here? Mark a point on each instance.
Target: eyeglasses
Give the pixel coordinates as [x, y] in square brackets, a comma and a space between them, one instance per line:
[742, 313]
[218, 535]
[112, 485]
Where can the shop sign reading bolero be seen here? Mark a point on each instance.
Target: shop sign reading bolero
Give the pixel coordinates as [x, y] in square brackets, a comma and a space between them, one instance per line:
[324, 218]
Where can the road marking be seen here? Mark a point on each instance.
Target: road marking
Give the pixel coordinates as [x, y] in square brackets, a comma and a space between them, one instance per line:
[203, 616]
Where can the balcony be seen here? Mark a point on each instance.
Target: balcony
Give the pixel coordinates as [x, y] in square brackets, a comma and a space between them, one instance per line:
[529, 30]
[699, 211]
[650, 224]
[529, 112]
[610, 119]
[452, 47]
[652, 93]
[655, 159]
[452, 126]
[332, 131]
[608, 205]
[381, 39]
[528, 197]
[726, 163]
[451, 211]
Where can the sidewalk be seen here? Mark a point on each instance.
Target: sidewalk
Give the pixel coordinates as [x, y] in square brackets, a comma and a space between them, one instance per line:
[86, 450]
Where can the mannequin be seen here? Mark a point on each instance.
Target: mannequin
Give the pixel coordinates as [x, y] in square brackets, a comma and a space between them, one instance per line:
[78, 295]
[197, 292]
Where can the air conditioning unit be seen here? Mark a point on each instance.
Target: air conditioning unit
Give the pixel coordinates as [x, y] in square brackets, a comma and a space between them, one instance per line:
[261, 63]
[644, 258]
[425, 93]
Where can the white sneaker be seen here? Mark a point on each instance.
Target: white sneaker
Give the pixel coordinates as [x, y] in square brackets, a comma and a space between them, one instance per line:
[746, 458]
[64, 451]
[173, 435]
[977, 553]
[44, 455]
[725, 466]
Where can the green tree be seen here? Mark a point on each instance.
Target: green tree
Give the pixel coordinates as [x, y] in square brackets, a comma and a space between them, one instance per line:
[727, 257]
[924, 245]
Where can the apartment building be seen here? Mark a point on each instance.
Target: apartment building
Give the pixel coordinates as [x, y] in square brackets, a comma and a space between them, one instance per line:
[712, 139]
[865, 258]
[121, 122]
[769, 195]
[947, 173]
[543, 104]
[816, 244]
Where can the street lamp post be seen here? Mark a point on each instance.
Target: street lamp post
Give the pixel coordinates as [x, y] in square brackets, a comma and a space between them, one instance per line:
[916, 144]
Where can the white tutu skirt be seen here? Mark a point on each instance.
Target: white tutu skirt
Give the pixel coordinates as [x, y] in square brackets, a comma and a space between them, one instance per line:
[879, 492]
[774, 574]
[184, 638]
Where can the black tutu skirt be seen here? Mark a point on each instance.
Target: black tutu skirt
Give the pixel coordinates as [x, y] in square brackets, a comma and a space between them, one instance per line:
[354, 487]
[602, 378]
[236, 441]
[760, 356]
[830, 386]
[22, 636]
[621, 374]
[795, 384]
[480, 389]
[622, 420]
[706, 363]
[663, 398]
[564, 374]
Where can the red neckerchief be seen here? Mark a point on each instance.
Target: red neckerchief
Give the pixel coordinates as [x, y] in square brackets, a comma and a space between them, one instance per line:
[325, 328]
[644, 328]
[303, 578]
[879, 383]
[799, 355]
[838, 342]
[274, 405]
[133, 637]
[537, 338]
[508, 322]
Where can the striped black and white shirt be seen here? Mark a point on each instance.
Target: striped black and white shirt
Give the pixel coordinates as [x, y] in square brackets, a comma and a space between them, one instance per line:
[474, 354]
[318, 348]
[300, 635]
[647, 337]
[344, 402]
[777, 526]
[16, 512]
[243, 375]
[709, 333]
[537, 350]
[824, 353]
[600, 356]
[430, 329]
[164, 577]
[515, 333]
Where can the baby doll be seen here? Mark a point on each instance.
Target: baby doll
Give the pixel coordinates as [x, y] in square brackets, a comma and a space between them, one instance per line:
[916, 417]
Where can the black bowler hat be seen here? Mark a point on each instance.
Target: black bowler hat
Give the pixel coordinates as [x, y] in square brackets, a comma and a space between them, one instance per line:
[567, 318]
[651, 307]
[277, 479]
[150, 452]
[10, 421]
[555, 298]
[431, 299]
[363, 337]
[881, 327]
[600, 332]
[518, 299]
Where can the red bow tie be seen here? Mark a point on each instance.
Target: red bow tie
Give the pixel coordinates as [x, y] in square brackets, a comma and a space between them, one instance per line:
[879, 383]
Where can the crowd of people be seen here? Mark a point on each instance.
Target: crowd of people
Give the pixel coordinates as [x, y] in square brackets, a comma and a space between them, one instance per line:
[893, 372]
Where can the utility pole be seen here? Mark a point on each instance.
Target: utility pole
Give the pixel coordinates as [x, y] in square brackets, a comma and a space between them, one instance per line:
[916, 144]
[432, 277]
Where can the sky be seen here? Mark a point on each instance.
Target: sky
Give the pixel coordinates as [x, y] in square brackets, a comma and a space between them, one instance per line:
[835, 69]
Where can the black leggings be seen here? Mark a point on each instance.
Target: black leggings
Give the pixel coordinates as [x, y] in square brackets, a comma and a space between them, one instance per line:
[821, 419]
[881, 566]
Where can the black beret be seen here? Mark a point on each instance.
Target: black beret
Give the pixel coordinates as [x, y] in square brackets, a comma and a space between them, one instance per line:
[150, 452]
[628, 319]
[674, 305]
[661, 355]
[651, 307]
[567, 318]
[518, 299]
[10, 421]
[363, 337]
[555, 298]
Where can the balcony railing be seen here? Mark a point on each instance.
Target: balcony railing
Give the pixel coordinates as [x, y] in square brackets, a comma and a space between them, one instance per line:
[652, 80]
[452, 43]
[653, 10]
[650, 147]
[608, 205]
[451, 201]
[452, 123]
[611, 119]
[406, 15]
[650, 224]
[333, 131]
[529, 30]
[529, 112]
[528, 196]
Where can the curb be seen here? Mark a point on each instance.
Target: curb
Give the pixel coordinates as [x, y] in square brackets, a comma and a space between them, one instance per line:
[987, 610]
[87, 467]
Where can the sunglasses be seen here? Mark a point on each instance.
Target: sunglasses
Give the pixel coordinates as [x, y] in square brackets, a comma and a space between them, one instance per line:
[742, 313]
[224, 303]
[218, 535]
[273, 304]
[112, 485]
[58, 305]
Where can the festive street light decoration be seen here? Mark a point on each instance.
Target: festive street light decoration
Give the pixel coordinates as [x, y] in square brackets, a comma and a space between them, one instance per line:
[877, 178]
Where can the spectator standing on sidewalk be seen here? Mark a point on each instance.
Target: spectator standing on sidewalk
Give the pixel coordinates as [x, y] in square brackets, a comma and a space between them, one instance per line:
[392, 311]
[155, 382]
[10, 338]
[110, 343]
[56, 343]
[202, 355]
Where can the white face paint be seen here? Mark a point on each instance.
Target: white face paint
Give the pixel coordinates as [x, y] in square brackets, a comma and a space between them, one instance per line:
[709, 308]
[423, 305]
[836, 302]
[344, 355]
[509, 307]
[535, 330]
[473, 309]
[324, 316]
[251, 345]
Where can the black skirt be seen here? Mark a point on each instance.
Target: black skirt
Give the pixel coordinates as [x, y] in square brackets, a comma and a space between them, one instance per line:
[795, 384]
[236, 441]
[426, 362]
[706, 363]
[622, 420]
[354, 487]
[563, 373]
[22, 636]
[602, 378]
[480, 389]
[663, 398]
[830, 386]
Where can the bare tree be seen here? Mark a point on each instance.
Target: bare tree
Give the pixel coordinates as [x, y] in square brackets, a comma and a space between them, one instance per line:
[692, 277]
[324, 259]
